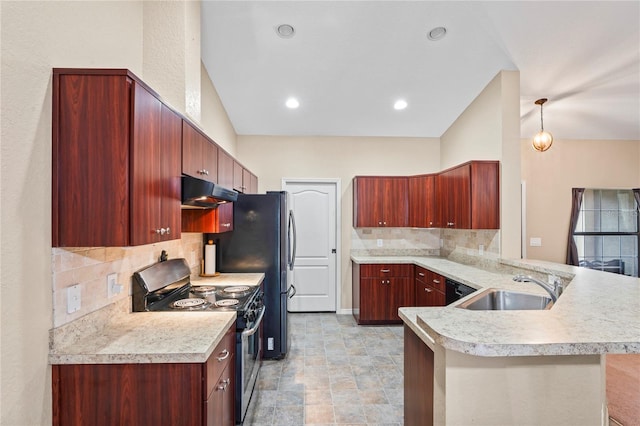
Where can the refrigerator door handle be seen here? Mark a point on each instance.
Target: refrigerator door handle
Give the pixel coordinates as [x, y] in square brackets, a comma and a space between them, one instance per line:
[292, 244]
[289, 291]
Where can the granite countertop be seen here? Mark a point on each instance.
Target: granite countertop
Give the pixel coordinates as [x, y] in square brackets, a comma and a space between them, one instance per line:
[114, 335]
[598, 312]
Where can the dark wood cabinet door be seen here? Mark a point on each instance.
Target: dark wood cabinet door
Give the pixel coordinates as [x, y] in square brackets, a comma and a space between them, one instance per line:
[90, 160]
[199, 154]
[368, 209]
[170, 168]
[427, 295]
[191, 151]
[485, 195]
[127, 394]
[401, 294]
[146, 182]
[422, 208]
[374, 296]
[418, 385]
[237, 176]
[253, 184]
[461, 197]
[225, 169]
[395, 201]
[225, 217]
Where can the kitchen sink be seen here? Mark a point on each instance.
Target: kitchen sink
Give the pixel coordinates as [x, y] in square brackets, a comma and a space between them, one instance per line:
[506, 300]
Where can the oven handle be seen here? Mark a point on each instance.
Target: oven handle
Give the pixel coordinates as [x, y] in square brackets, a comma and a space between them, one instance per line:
[256, 326]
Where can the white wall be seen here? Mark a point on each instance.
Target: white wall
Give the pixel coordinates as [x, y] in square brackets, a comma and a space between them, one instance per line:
[272, 157]
[215, 121]
[489, 129]
[37, 36]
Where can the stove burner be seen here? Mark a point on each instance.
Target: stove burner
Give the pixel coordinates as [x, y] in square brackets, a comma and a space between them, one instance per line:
[204, 290]
[227, 302]
[190, 304]
[235, 291]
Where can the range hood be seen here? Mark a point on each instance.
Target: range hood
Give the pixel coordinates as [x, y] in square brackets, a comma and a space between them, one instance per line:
[202, 194]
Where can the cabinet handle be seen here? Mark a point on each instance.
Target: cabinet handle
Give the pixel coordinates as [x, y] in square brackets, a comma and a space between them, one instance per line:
[436, 281]
[224, 385]
[450, 223]
[385, 270]
[421, 274]
[226, 225]
[225, 354]
[168, 230]
[163, 231]
[428, 290]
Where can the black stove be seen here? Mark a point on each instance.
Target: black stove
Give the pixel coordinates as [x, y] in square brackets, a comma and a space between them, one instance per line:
[165, 286]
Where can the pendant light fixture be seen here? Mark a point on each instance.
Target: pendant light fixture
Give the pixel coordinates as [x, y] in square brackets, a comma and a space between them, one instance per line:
[542, 140]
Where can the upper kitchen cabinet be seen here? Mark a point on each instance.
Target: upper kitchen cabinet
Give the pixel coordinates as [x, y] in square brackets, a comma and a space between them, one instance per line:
[116, 161]
[424, 211]
[199, 154]
[225, 169]
[243, 180]
[380, 201]
[469, 195]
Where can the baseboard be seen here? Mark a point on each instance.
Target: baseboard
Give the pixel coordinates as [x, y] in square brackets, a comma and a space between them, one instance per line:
[347, 311]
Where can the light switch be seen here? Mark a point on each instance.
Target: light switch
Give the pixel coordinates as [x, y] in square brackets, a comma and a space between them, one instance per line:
[379, 242]
[535, 242]
[73, 299]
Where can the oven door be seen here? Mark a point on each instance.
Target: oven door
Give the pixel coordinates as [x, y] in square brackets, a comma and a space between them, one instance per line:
[249, 353]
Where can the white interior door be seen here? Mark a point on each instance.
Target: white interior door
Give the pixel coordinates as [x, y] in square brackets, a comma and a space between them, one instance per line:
[314, 274]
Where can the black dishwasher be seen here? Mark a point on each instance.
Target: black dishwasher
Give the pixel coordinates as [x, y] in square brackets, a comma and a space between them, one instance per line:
[456, 290]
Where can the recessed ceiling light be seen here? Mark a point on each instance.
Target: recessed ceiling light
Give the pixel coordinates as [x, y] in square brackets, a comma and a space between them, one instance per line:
[437, 33]
[285, 31]
[400, 104]
[292, 103]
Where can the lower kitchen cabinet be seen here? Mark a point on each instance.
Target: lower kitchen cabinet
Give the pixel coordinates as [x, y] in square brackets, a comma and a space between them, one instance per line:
[189, 394]
[418, 385]
[430, 288]
[379, 290]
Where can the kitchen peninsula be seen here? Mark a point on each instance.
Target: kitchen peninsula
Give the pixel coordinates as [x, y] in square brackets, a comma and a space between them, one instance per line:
[516, 367]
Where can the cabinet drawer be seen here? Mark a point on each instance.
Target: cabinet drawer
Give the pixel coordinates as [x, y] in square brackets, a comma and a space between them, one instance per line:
[221, 357]
[430, 278]
[386, 270]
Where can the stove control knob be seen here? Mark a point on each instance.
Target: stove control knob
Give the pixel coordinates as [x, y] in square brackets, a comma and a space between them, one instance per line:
[250, 316]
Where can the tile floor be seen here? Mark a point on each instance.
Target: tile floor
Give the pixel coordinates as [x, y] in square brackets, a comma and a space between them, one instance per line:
[337, 373]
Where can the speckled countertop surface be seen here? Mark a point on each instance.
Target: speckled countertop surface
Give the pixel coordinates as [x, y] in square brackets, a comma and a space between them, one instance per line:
[113, 335]
[598, 312]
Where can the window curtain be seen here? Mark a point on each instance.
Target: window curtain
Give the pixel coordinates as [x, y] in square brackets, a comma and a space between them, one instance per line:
[576, 202]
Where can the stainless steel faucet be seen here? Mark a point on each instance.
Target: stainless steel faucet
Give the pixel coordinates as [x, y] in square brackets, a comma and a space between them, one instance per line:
[554, 291]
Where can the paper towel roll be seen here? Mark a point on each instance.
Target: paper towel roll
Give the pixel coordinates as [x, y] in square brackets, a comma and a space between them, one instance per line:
[210, 259]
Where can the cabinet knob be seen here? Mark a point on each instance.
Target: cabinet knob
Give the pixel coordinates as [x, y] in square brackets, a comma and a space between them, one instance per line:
[430, 223]
[163, 231]
[168, 230]
[379, 223]
[384, 223]
[224, 384]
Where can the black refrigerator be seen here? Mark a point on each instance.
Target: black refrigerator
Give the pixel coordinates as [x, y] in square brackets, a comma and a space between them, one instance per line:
[263, 240]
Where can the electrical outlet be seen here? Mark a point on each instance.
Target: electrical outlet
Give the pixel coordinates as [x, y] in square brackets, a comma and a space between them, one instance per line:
[112, 285]
[193, 257]
[481, 249]
[74, 301]
[535, 242]
[379, 242]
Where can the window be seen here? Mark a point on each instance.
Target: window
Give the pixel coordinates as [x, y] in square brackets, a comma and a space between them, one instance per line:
[606, 234]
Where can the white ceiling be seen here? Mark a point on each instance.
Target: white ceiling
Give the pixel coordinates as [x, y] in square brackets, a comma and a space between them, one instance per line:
[350, 60]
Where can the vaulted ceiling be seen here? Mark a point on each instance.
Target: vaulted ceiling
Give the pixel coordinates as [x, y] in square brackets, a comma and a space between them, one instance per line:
[349, 61]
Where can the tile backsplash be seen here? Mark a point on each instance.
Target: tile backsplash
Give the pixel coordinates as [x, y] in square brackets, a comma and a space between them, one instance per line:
[88, 267]
[460, 245]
